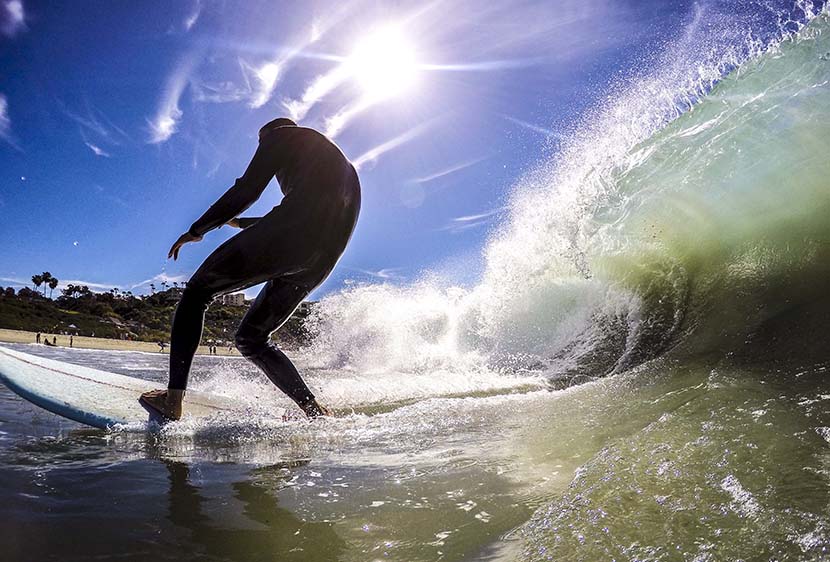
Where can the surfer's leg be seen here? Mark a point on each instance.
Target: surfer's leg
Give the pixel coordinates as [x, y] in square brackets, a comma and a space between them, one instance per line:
[272, 307]
[237, 264]
[184, 340]
[188, 322]
[241, 262]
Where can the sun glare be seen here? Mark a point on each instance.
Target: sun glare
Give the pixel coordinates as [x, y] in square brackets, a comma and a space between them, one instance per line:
[383, 63]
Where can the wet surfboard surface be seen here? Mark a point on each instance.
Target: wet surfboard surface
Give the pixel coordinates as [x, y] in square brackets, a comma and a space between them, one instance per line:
[91, 396]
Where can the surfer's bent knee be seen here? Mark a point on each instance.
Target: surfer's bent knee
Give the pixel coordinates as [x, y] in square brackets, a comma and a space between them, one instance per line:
[196, 295]
[250, 345]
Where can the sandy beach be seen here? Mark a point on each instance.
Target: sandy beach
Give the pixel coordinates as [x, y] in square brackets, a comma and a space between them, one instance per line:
[84, 342]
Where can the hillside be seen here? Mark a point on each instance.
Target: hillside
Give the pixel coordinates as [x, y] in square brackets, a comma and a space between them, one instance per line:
[122, 315]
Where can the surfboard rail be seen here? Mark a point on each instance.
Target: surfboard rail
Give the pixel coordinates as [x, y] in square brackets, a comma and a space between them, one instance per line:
[90, 396]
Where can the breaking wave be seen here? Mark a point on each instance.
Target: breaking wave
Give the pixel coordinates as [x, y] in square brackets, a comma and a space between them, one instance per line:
[687, 214]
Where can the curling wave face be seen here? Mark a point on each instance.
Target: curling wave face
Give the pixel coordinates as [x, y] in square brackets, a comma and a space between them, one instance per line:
[689, 214]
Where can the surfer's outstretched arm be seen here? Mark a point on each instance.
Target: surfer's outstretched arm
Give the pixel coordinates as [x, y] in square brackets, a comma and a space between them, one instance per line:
[240, 196]
[243, 222]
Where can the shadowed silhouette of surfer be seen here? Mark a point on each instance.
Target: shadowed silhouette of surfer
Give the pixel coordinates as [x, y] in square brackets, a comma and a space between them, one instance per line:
[292, 249]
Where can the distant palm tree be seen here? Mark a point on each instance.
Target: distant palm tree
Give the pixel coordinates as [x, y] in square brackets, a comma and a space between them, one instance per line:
[37, 280]
[46, 278]
[52, 284]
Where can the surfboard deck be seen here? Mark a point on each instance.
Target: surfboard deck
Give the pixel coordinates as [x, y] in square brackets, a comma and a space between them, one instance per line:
[91, 396]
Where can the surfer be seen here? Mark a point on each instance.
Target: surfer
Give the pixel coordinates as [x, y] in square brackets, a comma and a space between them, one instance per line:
[292, 249]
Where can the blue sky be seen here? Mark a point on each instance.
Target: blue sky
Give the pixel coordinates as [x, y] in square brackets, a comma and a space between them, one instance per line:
[121, 122]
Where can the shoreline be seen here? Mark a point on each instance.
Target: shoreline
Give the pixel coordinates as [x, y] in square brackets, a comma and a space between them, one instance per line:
[86, 342]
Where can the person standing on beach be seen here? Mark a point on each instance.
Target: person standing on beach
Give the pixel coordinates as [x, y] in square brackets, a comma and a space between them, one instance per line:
[37, 338]
[292, 250]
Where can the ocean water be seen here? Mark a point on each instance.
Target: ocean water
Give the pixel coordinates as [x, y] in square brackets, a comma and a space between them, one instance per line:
[640, 374]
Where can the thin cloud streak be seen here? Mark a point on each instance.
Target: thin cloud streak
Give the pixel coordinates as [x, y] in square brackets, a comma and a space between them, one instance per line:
[487, 66]
[107, 195]
[15, 281]
[374, 153]
[93, 286]
[161, 277]
[110, 132]
[12, 18]
[532, 127]
[165, 123]
[448, 171]
[102, 287]
[193, 17]
[389, 273]
[218, 92]
[6, 124]
[5, 121]
[268, 74]
[337, 122]
[460, 224]
[98, 151]
[319, 88]
[97, 286]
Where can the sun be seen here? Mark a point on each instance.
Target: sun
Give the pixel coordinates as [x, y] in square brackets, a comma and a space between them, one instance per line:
[384, 63]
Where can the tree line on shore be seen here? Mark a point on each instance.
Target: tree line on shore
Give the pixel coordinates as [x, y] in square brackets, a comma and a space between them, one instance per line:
[118, 314]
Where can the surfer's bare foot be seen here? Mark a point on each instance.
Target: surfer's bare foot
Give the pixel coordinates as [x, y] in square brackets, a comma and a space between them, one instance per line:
[167, 403]
[314, 409]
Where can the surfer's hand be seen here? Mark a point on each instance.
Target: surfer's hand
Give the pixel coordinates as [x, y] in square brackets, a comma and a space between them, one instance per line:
[233, 223]
[183, 239]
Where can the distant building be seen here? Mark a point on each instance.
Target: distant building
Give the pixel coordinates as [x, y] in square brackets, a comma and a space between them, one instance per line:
[236, 299]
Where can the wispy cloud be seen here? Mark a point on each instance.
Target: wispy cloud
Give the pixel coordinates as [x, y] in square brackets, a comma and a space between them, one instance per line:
[487, 66]
[160, 278]
[93, 285]
[448, 171]
[98, 124]
[165, 123]
[97, 150]
[12, 17]
[265, 80]
[193, 16]
[107, 195]
[15, 281]
[319, 88]
[99, 286]
[467, 222]
[62, 284]
[6, 123]
[337, 122]
[218, 92]
[387, 274]
[262, 78]
[373, 154]
[535, 128]
[96, 130]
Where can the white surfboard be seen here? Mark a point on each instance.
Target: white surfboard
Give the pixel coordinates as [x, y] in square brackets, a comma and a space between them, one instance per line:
[90, 396]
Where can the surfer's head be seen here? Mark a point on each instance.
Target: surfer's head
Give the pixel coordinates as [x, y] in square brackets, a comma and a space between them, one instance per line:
[278, 122]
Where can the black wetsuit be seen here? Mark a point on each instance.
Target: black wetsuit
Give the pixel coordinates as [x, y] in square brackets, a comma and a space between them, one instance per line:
[293, 249]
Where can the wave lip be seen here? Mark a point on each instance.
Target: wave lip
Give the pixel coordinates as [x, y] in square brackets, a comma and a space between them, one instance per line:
[688, 214]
